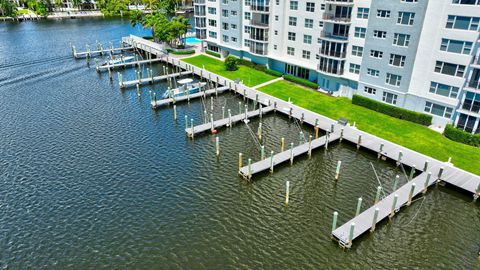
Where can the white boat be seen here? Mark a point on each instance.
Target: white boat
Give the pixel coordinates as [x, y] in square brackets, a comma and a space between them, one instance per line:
[187, 87]
[119, 60]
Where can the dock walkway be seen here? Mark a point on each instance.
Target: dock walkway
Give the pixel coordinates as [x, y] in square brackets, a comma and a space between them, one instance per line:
[128, 64]
[226, 121]
[163, 102]
[148, 80]
[101, 52]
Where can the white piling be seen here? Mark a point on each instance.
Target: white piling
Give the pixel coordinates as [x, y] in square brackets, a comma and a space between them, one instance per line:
[310, 146]
[359, 206]
[287, 192]
[410, 195]
[229, 118]
[262, 152]
[394, 205]
[337, 171]
[374, 221]
[427, 182]
[377, 196]
[271, 161]
[217, 146]
[291, 153]
[334, 223]
[175, 112]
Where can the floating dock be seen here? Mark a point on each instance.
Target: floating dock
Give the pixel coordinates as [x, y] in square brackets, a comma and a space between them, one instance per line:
[128, 64]
[269, 163]
[150, 80]
[163, 102]
[100, 52]
[227, 121]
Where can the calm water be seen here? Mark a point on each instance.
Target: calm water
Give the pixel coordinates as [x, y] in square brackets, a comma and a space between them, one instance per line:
[91, 177]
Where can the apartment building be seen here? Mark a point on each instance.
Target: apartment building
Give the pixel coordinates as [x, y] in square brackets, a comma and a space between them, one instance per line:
[422, 55]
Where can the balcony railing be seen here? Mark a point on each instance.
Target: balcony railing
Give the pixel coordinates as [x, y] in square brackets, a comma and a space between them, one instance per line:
[262, 38]
[339, 2]
[259, 23]
[199, 2]
[331, 35]
[333, 53]
[476, 60]
[199, 13]
[471, 106]
[259, 8]
[473, 84]
[256, 50]
[336, 18]
[201, 35]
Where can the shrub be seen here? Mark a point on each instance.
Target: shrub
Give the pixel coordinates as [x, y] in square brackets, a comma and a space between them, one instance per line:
[213, 53]
[461, 136]
[416, 117]
[181, 52]
[253, 65]
[231, 63]
[274, 72]
[300, 81]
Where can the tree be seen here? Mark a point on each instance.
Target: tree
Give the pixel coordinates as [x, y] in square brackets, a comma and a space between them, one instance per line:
[8, 8]
[113, 7]
[169, 6]
[178, 28]
[231, 63]
[136, 17]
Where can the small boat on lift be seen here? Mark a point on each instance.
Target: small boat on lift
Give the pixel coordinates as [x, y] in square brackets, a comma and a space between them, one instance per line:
[187, 87]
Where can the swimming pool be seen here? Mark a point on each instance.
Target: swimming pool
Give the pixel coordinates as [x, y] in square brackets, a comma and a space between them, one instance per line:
[192, 40]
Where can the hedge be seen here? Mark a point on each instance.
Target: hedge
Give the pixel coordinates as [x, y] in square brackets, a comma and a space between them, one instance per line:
[213, 53]
[274, 72]
[300, 81]
[250, 64]
[419, 118]
[180, 52]
[461, 136]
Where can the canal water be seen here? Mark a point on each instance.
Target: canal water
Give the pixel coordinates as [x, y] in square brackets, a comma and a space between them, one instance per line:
[92, 178]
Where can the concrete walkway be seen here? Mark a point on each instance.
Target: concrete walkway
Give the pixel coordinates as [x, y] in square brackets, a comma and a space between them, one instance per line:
[267, 83]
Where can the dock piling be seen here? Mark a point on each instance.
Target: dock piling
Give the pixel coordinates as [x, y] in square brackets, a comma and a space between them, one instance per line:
[262, 152]
[239, 107]
[271, 161]
[400, 155]
[377, 196]
[249, 168]
[359, 206]
[334, 222]
[341, 135]
[259, 131]
[395, 182]
[410, 195]
[380, 151]
[175, 112]
[337, 171]
[310, 146]
[412, 173]
[394, 205]
[246, 112]
[350, 236]
[374, 221]
[240, 161]
[427, 181]
[425, 166]
[229, 118]
[211, 103]
[440, 172]
[332, 128]
[287, 192]
[291, 153]
[359, 141]
[316, 131]
[282, 144]
[192, 128]
[223, 112]
[217, 146]
[211, 121]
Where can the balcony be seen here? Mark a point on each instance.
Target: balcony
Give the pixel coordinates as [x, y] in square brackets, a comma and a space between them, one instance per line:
[258, 50]
[260, 8]
[199, 2]
[340, 2]
[200, 35]
[257, 23]
[471, 106]
[333, 37]
[473, 84]
[476, 61]
[333, 53]
[258, 37]
[336, 18]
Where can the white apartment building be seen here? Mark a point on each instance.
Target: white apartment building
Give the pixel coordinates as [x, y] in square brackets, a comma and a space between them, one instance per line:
[422, 55]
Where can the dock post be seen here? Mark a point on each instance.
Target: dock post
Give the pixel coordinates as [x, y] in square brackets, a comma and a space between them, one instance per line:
[374, 221]
[186, 121]
[410, 195]
[239, 107]
[359, 206]
[477, 194]
[326, 140]
[341, 135]
[244, 92]
[425, 166]
[246, 109]
[395, 182]
[192, 128]
[262, 152]
[302, 118]
[291, 153]
[377, 197]
[175, 112]
[412, 172]
[249, 168]
[223, 112]
[216, 88]
[259, 131]
[260, 111]
[287, 192]
[110, 74]
[359, 142]
[400, 155]
[290, 113]
[350, 236]
[138, 89]
[316, 122]
[274, 106]
[380, 151]
[427, 181]
[217, 146]
[334, 223]
[394, 205]
[332, 128]
[301, 138]
[240, 161]
[310, 146]
[211, 103]
[211, 121]
[271, 161]
[440, 172]
[282, 144]
[74, 51]
[229, 118]
[205, 116]
[337, 171]
[255, 102]
[316, 131]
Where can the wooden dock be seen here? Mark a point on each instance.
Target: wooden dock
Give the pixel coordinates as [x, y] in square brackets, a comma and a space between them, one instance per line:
[167, 101]
[226, 121]
[151, 80]
[290, 154]
[128, 64]
[100, 52]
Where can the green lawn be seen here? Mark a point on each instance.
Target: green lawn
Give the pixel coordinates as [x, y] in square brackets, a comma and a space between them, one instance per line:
[408, 134]
[250, 76]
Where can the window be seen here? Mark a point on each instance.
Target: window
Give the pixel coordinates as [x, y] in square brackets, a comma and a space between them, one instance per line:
[360, 32]
[357, 51]
[463, 23]
[225, 26]
[277, 2]
[212, 10]
[225, 2]
[393, 79]
[363, 13]
[456, 46]
[322, 6]
[234, 39]
[306, 54]
[275, 47]
[438, 109]
[308, 23]
[354, 68]
[405, 18]
[320, 24]
[247, 2]
[397, 60]
[212, 23]
[381, 13]
[310, 7]
[247, 43]
[307, 39]
[443, 90]
[379, 34]
[275, 32]
[233, 26]
[212, 34]
[450, 69]
[389, 98]
[373, 72]
[224, 13]
[247, 29]
[401, 40]
[376, 54]
[248, 16]
[225, 38]
[293, 5]
[291, 36]
[290, 51]
[409, 1]
[369, 90]
[466, 2]
[276, 17]
[292, 21]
